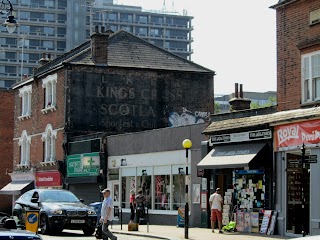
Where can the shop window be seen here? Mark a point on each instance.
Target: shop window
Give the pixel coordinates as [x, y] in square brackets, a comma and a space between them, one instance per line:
[162, 192]
[144, 183]
[179, 191]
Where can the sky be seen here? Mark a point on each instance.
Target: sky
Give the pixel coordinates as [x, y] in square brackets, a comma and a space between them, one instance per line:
[234, 38]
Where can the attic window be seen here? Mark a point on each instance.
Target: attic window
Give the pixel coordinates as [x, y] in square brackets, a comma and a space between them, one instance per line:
[314, 17]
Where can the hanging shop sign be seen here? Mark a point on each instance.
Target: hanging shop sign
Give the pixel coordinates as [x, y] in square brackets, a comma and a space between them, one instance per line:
[48, 179]
[292, 136]
[83, 165]
[240, 137]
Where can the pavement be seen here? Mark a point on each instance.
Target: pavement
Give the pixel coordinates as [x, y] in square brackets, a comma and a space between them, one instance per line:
[177, 233]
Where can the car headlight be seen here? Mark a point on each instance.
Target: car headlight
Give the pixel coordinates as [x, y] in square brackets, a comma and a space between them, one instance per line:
[56, 211]
[91, 212]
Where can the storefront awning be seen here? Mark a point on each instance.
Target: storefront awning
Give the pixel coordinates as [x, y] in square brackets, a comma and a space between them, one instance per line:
[230, 156]
[14, 188]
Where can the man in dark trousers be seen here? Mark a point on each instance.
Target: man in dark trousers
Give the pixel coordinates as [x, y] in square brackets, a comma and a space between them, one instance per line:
[140, 201]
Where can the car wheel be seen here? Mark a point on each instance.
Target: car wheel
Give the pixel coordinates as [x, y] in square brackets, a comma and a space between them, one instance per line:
[44, 224]
[88, 231]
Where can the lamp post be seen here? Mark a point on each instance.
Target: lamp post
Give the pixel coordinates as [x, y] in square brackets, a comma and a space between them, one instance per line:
[10, 23]
[187, 144]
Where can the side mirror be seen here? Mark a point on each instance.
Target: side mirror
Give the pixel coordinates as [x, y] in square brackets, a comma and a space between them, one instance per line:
[81, 200]
[34, 200]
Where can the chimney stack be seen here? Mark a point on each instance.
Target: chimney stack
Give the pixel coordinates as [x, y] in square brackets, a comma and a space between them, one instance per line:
[99, 45]
[44, 60]
[239, 102]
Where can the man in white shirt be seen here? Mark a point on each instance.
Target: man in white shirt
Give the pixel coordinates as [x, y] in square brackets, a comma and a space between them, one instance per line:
[106, 215]
[215, 201]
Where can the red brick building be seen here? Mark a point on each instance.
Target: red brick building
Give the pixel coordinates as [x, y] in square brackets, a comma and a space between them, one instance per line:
[115, 83]
[6, 147]
[298, 43]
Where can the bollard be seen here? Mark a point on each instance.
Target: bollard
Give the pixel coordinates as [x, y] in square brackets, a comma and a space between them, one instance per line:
[121, 217]
[147, 219]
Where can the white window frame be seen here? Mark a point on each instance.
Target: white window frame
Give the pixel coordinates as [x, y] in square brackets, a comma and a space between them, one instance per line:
[24, 143]
[49, 85]
[25, 95]
[308, 78]
[49, 138]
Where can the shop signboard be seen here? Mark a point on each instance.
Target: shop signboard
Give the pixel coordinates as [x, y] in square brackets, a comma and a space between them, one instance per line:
[292, 136]
[240, 137]
[48, 179]
[180, 219]
[83, 165]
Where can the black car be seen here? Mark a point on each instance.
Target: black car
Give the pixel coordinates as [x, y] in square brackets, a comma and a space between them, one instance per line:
[59, 209]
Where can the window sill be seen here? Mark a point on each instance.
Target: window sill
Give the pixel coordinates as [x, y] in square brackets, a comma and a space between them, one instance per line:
[311, 103]
[23, 167]
[51, 163]
[24, 117]
[48, 109]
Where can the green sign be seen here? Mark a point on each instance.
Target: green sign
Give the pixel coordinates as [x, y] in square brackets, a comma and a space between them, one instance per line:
[83, 165]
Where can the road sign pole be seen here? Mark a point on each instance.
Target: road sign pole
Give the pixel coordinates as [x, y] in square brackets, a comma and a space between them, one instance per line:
[303, 185]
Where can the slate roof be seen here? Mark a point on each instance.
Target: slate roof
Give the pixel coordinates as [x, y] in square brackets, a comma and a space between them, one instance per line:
[272, 119]
[127, 50]
[282, 3]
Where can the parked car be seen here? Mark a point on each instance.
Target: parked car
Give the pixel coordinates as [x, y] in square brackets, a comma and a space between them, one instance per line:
[58, 209]
[8, 229]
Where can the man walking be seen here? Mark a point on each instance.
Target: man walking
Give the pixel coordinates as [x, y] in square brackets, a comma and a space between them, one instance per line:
[106, 215]
[215, 201]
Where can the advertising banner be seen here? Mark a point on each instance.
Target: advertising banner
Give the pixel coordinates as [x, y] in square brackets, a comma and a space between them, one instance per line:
[293, 135]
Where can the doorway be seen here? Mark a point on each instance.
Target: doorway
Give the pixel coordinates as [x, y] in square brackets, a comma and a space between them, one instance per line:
[298, 185]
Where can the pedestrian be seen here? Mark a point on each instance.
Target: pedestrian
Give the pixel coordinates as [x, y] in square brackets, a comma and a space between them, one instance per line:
[132, 204]
[216, 201]
[106, 215]
[140, 201]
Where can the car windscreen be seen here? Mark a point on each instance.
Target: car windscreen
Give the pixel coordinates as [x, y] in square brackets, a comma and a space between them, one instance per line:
[58, 196]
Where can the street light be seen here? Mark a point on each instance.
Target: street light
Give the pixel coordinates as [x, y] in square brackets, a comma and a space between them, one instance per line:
[187, 144]
[10, 23]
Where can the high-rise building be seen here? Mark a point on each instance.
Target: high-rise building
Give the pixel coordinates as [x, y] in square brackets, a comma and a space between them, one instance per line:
[57, 26]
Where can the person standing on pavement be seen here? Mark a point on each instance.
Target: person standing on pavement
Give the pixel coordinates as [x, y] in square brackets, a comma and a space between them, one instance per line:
[106, 215]
[140, 201]
[132, 205]
[216, 201]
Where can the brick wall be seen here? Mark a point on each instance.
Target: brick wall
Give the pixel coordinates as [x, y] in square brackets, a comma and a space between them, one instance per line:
[293, 34]
[6, 136]
[36, 125]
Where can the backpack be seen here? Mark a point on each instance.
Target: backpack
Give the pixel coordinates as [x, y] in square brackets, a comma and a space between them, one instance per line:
[98, 233]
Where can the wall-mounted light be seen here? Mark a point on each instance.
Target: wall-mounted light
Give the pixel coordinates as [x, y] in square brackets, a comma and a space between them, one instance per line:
[123, 162]
[180, 170]
[144, 172]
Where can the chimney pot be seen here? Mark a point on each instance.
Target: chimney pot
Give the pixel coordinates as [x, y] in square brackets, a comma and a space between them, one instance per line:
[96, 29]
[241, 92]
[102, 29]
[236, 94]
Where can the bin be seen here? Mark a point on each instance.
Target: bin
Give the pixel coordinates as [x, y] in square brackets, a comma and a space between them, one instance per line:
[96, 206]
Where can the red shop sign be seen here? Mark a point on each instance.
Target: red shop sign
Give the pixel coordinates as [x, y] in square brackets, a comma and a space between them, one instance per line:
[293, 135]
[48, 179]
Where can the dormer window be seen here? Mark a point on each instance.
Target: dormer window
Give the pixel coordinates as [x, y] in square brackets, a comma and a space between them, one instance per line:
[49, 86]
[25, 95]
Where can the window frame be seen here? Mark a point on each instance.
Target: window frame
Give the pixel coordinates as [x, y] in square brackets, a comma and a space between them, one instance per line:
[49, 138]
[49, 86]
[24, 143]
[25, 93]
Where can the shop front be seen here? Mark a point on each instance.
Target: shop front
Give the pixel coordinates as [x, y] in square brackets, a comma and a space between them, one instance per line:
[83, 176]
[297, 146]
[241, 165]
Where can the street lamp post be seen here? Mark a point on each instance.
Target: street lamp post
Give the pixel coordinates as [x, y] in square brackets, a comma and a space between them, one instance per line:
[10, 23]
[187, 144]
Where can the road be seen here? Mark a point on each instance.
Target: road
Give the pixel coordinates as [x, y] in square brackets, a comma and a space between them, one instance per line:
[78, 235]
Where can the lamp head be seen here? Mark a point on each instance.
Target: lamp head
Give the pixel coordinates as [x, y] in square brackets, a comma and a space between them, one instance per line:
[187, 143]
[10, 24]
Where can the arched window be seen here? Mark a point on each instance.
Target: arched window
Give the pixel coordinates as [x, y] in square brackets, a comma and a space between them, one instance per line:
[24, 143]
[49, 139]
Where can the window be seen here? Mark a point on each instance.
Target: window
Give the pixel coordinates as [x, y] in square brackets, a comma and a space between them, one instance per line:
[49, 85]
[310, 84]
[24, 143]
[25, 95]
[49, 139]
